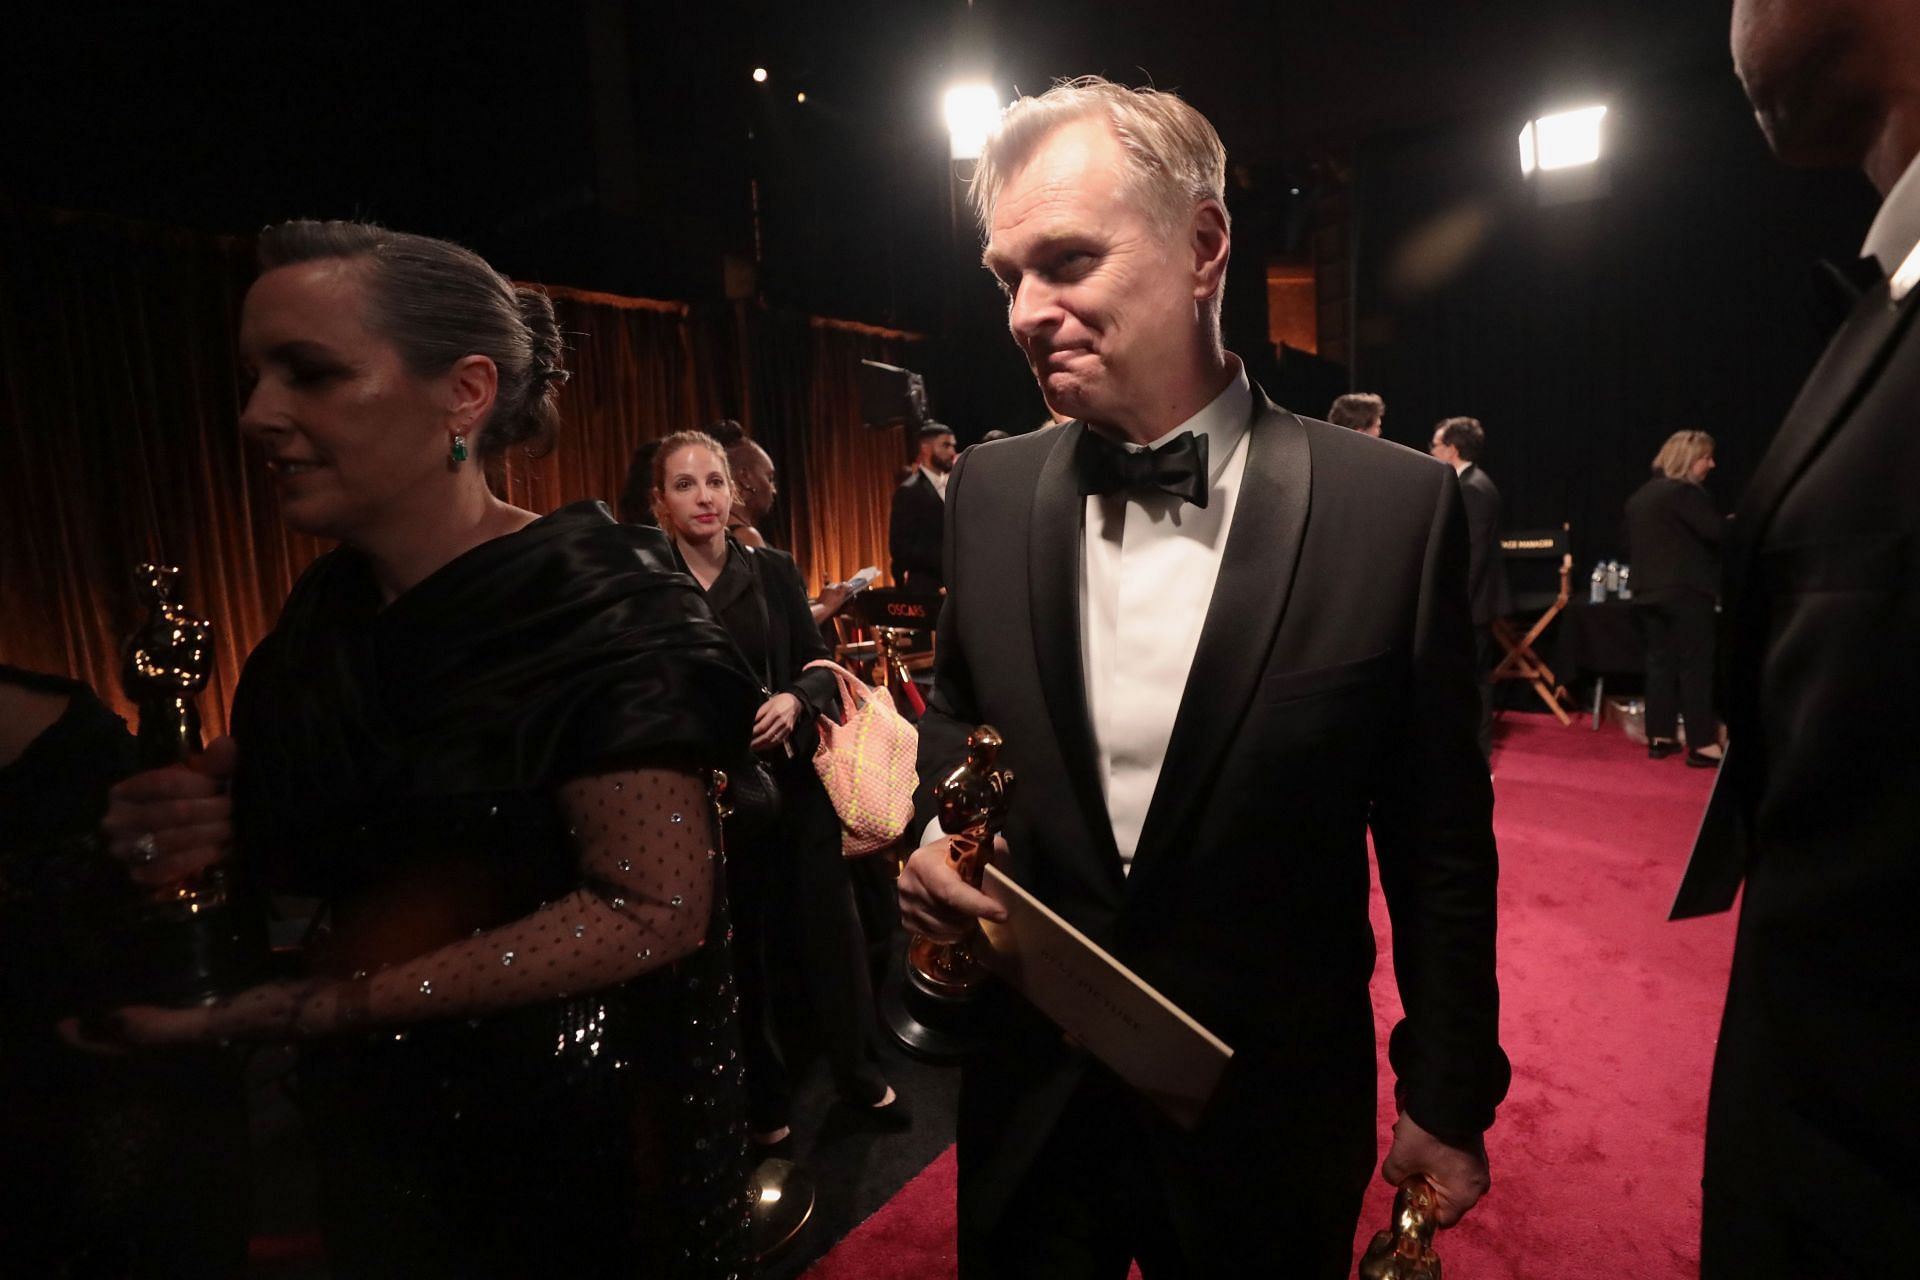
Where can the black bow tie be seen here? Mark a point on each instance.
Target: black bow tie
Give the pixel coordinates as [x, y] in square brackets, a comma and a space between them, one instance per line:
[1178, 468]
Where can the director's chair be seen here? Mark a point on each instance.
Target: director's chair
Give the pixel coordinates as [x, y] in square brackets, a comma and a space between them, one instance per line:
[1532, 558]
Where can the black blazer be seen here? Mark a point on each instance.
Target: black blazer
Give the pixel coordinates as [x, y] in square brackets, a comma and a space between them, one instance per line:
[761, 600]
[1673, 540]
[1813, 1114]
[1486, 563]
[915, 534]
[1322, 702]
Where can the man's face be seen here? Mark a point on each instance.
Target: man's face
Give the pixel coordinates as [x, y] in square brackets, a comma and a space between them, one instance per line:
[940, 454]
[1440, 449]
[1807, 68]
[1100, 301]
[1373, 428]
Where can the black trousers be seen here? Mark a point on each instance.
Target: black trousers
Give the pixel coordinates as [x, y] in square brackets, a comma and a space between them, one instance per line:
[798, 940]
[1486, 655]
[1096, 1199]
[1680, 642]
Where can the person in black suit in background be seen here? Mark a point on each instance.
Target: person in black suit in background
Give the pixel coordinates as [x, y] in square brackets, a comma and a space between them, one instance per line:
[1460, 442]
[1673, 539]
[1207, 708]
[1360, 411]
[916, 529]
[1813, 1126]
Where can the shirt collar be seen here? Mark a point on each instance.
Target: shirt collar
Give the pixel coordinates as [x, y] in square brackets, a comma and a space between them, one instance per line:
[1894, 237]
[1223, 422]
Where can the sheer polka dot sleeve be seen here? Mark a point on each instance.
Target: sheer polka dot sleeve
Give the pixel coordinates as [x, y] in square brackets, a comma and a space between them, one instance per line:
[648, 872]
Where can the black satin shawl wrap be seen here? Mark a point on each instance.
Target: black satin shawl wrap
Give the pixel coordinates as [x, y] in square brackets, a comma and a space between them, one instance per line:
[568, 648]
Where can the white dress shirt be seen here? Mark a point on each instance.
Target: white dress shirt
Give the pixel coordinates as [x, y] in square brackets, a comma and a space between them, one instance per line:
[1894, 237]
[1147, 569]
[938, 479]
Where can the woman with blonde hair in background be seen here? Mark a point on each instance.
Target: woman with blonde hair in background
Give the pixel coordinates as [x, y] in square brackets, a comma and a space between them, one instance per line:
[799, 931]
[1673, 535]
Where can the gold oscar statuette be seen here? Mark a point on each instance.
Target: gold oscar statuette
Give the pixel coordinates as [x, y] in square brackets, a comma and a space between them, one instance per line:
[195, 939]
[1405, 1250]
[934, 1011]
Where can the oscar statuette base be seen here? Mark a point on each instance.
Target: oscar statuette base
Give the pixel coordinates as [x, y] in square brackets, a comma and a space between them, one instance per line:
[781, 1198]
[930, 1024]
[187, 952]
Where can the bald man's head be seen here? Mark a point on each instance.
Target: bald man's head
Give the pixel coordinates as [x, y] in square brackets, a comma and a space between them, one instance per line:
[754, 482]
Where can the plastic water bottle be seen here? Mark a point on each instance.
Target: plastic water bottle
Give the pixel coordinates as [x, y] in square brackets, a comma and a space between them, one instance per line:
[1597, 593]
[1613, 577]
[1626, 582]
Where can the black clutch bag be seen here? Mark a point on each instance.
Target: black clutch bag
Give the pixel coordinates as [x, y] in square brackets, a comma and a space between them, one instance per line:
[753, 802]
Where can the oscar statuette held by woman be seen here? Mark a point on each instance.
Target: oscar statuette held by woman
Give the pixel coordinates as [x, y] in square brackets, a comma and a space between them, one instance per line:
[201, 936]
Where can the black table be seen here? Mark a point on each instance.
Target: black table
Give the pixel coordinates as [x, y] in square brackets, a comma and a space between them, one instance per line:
[1599, 640]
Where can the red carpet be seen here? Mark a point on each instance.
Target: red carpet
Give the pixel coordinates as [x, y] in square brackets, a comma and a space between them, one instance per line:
[1609, 1014]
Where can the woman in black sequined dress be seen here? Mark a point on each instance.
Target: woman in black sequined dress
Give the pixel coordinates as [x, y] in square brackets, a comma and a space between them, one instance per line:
[482, 741]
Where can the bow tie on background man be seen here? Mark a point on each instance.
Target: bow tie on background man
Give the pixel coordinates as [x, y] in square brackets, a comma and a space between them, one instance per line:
[1178, 467]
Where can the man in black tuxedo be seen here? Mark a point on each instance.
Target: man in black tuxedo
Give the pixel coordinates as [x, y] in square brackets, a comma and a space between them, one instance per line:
[916, 529]
[1813, 1125]
[1207, 707]
[1460, 442]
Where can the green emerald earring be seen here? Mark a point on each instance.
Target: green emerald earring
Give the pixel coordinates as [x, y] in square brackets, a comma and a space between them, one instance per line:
[459, 451]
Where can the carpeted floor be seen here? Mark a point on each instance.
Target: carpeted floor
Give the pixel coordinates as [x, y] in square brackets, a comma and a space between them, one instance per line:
[1609, 1014]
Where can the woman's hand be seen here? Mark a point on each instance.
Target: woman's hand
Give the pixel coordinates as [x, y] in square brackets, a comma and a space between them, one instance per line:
[138, 1026]
[773, 724]
[167, 824]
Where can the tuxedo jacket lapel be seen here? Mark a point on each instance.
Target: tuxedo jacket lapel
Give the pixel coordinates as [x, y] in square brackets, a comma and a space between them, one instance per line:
[1249, 599]
[1843, 374]
[1053, 584]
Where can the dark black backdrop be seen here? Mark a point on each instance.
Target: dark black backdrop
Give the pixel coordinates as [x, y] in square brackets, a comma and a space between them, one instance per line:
[1583, 334]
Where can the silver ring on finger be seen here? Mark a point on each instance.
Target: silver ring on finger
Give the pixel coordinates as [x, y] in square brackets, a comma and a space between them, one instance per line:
[146, 849]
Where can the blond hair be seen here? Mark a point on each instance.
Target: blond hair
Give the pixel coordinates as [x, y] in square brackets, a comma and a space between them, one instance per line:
[1682, 449]
[1175, 160]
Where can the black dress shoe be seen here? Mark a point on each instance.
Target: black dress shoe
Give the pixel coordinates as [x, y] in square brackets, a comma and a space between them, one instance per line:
[1661, 750]
[1695, 760]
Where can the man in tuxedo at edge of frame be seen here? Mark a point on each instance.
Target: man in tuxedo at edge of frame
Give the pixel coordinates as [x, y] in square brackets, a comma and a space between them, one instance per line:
[1813, 1123]
[1207, 707]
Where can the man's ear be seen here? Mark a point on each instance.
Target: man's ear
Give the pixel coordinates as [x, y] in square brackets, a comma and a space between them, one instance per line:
[471, 384]
[1211, 244]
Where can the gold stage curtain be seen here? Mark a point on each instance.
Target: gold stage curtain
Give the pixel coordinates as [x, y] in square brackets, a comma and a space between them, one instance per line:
[119, 437]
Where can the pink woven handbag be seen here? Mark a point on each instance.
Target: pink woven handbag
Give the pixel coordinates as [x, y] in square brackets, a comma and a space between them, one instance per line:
[866, 762]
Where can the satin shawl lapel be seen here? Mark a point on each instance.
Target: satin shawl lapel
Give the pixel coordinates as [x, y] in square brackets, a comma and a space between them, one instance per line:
[1836, 384]
[1053, 585]
[1249, 599]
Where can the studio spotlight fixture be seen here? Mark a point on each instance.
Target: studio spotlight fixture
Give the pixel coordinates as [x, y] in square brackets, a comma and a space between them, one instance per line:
[759, 75]
[1563, 140]
[971, 110]
[801, 97]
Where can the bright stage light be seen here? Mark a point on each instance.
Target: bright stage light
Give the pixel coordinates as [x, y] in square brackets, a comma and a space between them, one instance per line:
[1562, 140]
[801, 98]
[972, 110]
[759, 75]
